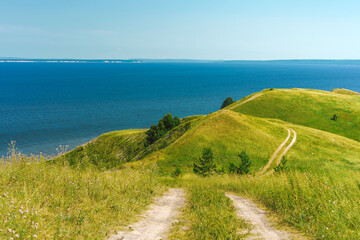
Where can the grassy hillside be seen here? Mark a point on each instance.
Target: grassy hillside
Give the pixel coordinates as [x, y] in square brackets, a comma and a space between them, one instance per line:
[109, 150]
[228, 133]
[113, 149]
[310, 108]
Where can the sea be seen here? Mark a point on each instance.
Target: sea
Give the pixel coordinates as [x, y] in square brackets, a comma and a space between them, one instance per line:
[47, 104]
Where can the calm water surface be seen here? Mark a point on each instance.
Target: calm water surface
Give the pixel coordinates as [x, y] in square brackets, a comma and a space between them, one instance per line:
[44, 105]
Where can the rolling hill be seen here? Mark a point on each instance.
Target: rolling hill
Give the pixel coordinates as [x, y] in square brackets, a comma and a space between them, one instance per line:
[311, 108]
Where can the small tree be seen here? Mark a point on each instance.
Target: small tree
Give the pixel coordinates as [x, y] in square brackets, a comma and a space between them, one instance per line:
[227, 102]
[244, 165]
[334, 117]
[206, 165]
[282, 166]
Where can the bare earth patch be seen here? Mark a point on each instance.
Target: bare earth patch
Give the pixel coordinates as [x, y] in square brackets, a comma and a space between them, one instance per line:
[156, 222]
[262, 228]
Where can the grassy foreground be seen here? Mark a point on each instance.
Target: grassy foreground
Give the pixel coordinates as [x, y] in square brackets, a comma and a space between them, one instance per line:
[323, 207]
[47, 201]
[209, 214]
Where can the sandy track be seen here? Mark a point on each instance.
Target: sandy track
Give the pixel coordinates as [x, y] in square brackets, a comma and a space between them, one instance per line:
[288, 147]
[275, 153]
[157, 220]
[247, 100]
[271, 160]
[262, 228]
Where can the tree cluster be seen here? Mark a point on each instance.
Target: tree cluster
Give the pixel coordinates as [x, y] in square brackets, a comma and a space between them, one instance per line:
[227, 102]
[206, 166]
[164, 125]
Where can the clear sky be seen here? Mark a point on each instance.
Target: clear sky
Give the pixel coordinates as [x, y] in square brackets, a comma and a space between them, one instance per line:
[191, 29]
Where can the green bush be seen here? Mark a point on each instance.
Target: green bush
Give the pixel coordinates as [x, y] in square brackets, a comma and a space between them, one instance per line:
[227, 102]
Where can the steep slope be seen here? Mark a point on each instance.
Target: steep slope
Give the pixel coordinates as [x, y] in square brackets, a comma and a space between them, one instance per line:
[310, 108]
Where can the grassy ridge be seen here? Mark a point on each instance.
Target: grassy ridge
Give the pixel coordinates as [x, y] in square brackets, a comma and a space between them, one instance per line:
[310, 108]
[227, 133]
[344, 91]
[60, 202]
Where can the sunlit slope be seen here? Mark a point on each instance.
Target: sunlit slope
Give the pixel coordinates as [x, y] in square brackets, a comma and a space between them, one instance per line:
[113, 149]
[228, 133]
[310, 108]
[344, 91]
[110, 149]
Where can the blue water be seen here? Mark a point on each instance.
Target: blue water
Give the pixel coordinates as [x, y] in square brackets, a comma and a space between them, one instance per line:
[44, 105]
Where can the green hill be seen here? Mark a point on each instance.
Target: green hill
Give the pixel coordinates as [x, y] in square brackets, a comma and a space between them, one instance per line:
[228, 133]
[311, 108]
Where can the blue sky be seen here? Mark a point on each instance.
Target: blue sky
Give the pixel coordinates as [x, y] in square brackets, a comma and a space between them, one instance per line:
[191, 29]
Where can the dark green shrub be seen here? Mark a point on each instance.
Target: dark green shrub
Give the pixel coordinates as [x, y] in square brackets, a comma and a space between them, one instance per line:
[227, 102]
[334, 118]
[206, 165]
[243, 167]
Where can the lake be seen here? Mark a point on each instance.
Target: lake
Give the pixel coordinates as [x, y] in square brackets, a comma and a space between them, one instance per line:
[44, 105]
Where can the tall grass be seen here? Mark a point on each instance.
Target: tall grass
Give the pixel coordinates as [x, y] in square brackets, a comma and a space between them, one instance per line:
[51, 201]
[324, 207]
[209, 214]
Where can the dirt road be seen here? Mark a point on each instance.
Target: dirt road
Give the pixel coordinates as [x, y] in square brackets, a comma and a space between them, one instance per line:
[156, 222]
[262, 228]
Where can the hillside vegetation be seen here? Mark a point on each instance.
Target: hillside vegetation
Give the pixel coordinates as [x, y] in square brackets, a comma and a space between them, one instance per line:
[311, 108]
[317, 193]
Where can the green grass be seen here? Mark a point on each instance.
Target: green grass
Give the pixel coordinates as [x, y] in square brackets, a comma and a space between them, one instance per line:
[209, 214]
[322, 206]
[53, 201]
[310, 108]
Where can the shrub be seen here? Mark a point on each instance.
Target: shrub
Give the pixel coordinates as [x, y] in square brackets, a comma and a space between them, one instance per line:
[227, 102]
[206, 165]
[334, 118]
[243, 166]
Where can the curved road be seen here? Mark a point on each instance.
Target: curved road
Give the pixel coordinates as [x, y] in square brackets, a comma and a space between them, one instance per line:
[271, 160]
